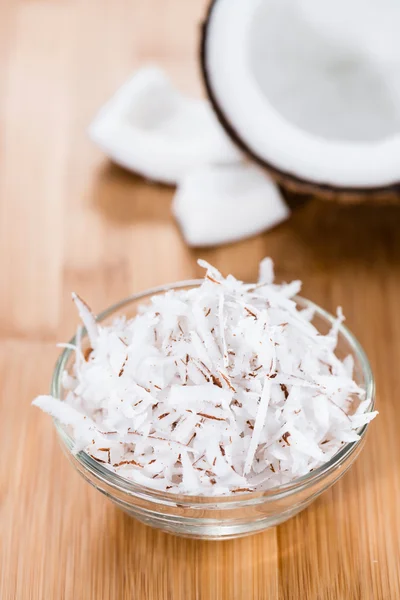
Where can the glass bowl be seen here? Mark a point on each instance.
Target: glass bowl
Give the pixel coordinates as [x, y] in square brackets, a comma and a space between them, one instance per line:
[217, 517]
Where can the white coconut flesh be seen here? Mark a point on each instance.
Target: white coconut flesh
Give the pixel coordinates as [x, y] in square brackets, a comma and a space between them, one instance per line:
[222, 204]
[150, 128]
[305, 92]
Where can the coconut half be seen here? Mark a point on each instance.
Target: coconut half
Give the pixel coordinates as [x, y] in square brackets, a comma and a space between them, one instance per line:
[318, 108]
[218, 205]
[150, 128]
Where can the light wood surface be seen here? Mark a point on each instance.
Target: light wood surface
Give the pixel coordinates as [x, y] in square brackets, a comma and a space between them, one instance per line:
[71, 221]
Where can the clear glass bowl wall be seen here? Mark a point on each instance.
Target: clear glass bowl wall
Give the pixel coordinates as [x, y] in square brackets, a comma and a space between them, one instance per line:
[224, 516]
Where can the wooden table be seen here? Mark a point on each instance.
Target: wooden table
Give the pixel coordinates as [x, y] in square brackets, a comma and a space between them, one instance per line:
[71, 221]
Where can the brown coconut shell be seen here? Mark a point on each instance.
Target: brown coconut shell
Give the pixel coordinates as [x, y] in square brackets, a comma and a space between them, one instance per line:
[290, 181]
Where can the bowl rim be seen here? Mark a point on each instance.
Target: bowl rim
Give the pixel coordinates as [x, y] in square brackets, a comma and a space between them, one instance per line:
[122, 484]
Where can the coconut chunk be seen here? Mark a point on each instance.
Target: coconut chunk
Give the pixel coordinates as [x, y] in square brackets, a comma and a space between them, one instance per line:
[222, 204]
[150, 128]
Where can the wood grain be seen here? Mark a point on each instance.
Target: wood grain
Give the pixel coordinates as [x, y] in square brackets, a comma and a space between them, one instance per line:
[70, 220]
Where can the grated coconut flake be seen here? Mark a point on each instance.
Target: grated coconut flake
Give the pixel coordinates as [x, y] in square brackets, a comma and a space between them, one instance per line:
[220, 389]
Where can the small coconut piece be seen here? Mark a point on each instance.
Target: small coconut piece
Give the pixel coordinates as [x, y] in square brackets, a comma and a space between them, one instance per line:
[266, 271]
[151, 129]
[87, 318]
[224, 388]
[222, 204]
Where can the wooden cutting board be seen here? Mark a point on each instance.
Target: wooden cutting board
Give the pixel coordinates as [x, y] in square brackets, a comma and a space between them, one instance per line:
[71, 221]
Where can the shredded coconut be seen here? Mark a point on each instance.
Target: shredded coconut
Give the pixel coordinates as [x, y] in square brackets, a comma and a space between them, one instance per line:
[220, 389]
